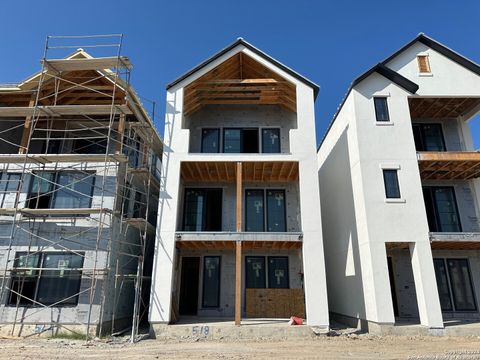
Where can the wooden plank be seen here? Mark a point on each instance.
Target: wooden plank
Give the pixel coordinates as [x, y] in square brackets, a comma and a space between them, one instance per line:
[100, 63]
[26, 129]
[239, 198]
[121, 130]
[60, 110]
[238, 283]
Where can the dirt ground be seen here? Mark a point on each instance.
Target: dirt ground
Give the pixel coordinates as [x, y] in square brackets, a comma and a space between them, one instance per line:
[323, 347]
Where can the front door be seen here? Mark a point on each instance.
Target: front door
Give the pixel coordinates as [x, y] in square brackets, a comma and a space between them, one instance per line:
[189, 286]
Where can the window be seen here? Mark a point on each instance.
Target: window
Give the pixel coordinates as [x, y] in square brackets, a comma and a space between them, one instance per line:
[390, 179]
[210, 140]
[256, 272]
[90, 146]
[254, 210]
[455, 285]
[202, 210]
[441, 207]
[271, 140]
[131, 148]
[278, 272]
[240, 140]
[211, 281]
[442, 284]
[255, 219]
[54, 279]
[428, 137]
[9, 183]
[381, 109]
[423, 64]
[276, 211]
[60, 190]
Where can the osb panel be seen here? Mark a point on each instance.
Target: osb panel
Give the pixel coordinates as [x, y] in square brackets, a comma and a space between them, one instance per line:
[275, 303]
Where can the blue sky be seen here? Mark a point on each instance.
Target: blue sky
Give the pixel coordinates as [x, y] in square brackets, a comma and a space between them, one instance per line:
[329, 42]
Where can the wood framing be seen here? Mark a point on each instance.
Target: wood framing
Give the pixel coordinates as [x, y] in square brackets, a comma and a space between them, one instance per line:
[240, 80]
[238, 282]
[225, 171]
[101, 63]
[449, 165]
[441, 107]
[238, 214]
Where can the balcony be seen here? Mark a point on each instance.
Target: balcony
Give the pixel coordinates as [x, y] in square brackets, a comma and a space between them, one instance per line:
[449, 165]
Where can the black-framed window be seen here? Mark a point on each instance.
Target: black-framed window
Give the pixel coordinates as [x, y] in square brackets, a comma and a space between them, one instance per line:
[9, 183]
[46, 278]
[428, 137]
[265, 209]
[455, 286]
[240, 140]
[262, 272]
[442, 284]
[381, 108]
[278, 277]
[202, 209]
[276, 216]
[392, 188]
[254, 210]
[61, 190]
[210, 140]
[271, 140]
[211, 281]
[255, 273]
[442, 210]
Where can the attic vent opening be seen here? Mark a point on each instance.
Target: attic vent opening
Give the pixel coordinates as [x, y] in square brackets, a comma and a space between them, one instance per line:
[423, 64]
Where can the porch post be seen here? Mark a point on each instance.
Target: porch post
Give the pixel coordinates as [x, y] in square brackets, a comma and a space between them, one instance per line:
[238, 249]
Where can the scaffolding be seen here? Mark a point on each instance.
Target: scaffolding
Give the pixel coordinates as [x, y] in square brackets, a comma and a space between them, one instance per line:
[80, 181]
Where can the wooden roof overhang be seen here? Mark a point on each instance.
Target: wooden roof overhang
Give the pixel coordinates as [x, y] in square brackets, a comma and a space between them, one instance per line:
[449, 165]
[239, 80]
[252, 171]
[455, 245]
[441, 107]
[72, 88]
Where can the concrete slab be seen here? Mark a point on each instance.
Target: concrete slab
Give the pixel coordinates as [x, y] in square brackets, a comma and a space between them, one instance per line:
[221, 329]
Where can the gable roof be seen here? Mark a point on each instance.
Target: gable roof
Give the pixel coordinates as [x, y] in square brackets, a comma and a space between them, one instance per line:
[440, 48]
[400, 80]
[241, 41]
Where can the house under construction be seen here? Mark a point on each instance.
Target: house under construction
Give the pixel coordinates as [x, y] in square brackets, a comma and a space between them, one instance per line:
[80, 161]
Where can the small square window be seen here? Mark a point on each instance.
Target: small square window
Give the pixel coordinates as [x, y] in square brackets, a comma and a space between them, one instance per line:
[390, 179]
[423, 64]
[381, 109]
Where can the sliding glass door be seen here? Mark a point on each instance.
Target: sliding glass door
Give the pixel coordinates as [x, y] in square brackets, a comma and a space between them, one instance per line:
[442, 211]
[202, 210]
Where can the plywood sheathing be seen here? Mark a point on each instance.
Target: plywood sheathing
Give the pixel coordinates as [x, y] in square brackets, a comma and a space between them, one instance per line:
[443, 107]
[225, 171]
[240, 80]
[275, 303]
[449, 165]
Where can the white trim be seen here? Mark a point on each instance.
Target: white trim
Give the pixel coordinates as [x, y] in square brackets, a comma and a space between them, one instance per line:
[390, 166]
[395, 201]
[384, 123]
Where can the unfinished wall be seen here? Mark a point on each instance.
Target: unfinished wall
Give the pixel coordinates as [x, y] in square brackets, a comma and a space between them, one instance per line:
[227, 276]
[404, 283]
[451, 132]
[229, 203]
[466, 202]
[234, 116]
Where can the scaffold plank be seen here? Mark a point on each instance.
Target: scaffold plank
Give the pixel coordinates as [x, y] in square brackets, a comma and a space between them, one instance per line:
[101, 63]
[62, 110]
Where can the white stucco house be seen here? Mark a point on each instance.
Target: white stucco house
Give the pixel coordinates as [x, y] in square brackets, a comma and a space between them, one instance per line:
[238, 216]
[400, 193]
